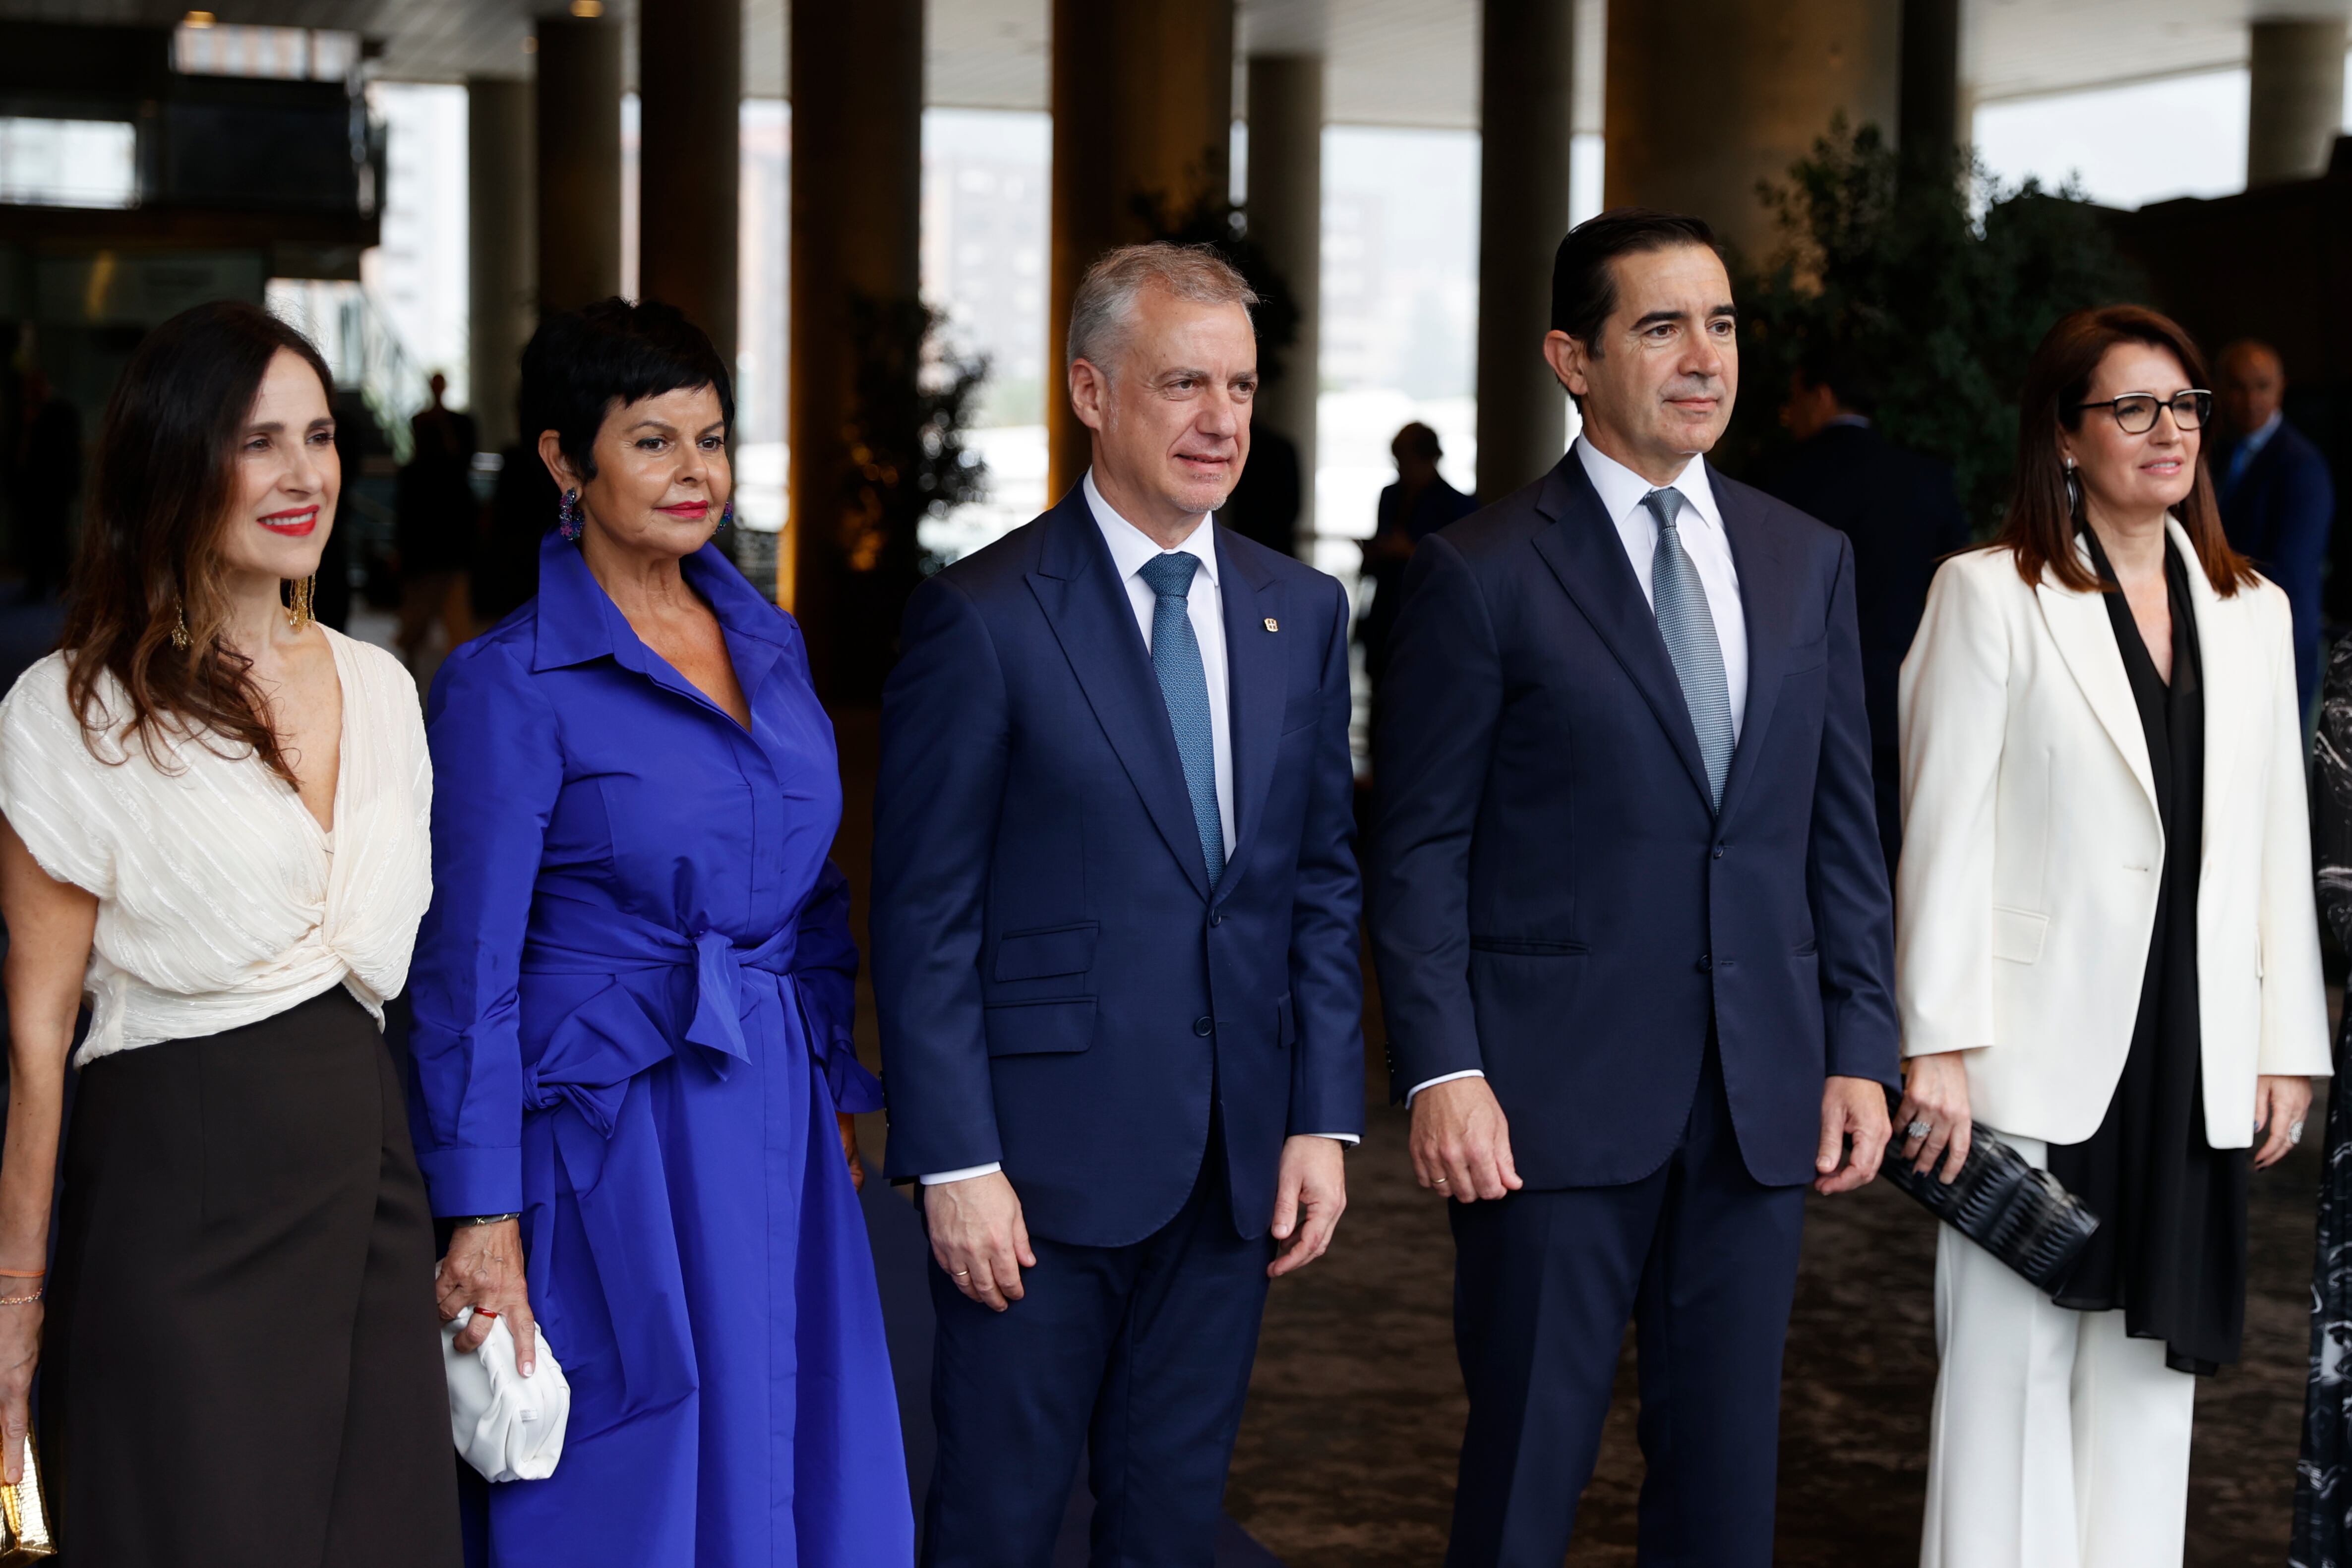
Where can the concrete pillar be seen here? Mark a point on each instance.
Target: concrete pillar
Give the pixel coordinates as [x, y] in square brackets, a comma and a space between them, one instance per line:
[1286, 217]
[1144, 110]
[2296, 100]
[1928, 89]
[856, 84]
[502, 265]
[579, 121]
[1527, 92]
[691, 79]
[1706, 98]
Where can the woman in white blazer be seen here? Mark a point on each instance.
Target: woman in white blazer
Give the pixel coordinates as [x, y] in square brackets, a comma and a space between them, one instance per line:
[2107, 950]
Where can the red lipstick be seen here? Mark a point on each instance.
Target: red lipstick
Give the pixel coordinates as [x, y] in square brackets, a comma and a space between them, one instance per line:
[296, 523]
[688, 511]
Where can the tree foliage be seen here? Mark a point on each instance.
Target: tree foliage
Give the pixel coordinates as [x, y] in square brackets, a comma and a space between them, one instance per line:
[1942, 285]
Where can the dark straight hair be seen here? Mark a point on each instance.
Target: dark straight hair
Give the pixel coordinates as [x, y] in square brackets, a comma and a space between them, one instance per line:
[581, 365]
[1583, 283]
[2042, 518]
[165, 484]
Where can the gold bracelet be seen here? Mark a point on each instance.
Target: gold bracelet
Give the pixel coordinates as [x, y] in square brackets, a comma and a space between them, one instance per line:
[38, 1291]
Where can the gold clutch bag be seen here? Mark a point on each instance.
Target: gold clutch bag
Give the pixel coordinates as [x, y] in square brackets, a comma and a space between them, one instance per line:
[24, 1517]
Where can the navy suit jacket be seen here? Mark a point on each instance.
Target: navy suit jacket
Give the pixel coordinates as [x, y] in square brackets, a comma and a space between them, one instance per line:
[1553, 899]
[2280, 513]
[1059, 987]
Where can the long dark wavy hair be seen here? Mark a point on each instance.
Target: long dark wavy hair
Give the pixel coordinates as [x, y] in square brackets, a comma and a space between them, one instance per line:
[2044, 517]
[166, 478]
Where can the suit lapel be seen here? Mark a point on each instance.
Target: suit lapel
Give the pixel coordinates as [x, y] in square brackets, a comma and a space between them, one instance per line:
[1254, 665]
[1767, 601]
[1092, 618]
[2078, 624]
[1585, 552]
[2231, 660]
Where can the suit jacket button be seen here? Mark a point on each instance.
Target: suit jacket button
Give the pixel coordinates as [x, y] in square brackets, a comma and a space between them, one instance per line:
[1718, 851]
[1204, 1026]
[1217, 918]
[1706, 962]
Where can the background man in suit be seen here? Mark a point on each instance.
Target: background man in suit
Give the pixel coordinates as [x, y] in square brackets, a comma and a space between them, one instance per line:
[1115, 907]
[1632, 921]
[2278, 500]
[1898, 511]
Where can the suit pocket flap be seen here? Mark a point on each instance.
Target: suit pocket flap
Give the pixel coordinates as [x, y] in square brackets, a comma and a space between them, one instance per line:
[1302, 711]
[1039, 1029]
[1036, 955]
[2017, 935]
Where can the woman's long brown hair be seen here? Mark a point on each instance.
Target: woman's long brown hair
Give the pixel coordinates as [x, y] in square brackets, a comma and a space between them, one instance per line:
[166, 479]
[2040, 526]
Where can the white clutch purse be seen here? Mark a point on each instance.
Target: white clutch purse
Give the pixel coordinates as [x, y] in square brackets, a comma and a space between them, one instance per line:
[507, 1426]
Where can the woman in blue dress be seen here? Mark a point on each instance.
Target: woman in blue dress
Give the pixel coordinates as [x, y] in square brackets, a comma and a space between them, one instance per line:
[633, 1066]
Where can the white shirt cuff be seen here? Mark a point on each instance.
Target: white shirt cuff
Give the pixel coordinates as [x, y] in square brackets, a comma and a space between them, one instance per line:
[1446, 1078]
[943, 1177]
[1348, 1138]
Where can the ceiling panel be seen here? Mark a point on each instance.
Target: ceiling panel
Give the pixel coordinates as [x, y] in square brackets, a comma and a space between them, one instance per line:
[1401, 62]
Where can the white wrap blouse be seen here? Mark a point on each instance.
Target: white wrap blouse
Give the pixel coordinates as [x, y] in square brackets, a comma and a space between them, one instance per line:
[221, 900]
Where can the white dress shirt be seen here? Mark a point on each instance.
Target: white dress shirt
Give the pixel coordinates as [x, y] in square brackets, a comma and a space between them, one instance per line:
[1131, 549]
[221, 901]
[1701, 526]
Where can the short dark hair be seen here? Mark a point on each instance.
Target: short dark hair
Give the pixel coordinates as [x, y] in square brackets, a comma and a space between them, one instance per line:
[1583, 286]
[1833, 363]
[582, 364]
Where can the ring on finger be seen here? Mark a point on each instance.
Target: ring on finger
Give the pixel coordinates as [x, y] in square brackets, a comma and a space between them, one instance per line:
[2295, 1133]
[963, 1273]
[1439, 1182]
[1919, 1128]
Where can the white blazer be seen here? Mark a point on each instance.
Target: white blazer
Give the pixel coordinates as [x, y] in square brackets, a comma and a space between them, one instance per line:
[2026, 894]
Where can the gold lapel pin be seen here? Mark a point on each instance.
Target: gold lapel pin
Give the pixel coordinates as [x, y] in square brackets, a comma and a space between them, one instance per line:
[1272, 624]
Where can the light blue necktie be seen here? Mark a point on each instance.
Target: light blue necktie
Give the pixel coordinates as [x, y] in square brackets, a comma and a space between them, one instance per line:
[1185, 686]
[1688, 628]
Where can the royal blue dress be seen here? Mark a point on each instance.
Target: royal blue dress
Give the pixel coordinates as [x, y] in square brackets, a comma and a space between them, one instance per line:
[633, 996]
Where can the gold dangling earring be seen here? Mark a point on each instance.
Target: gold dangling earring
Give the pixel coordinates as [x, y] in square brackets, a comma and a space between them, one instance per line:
[180, 628]
[298, 608]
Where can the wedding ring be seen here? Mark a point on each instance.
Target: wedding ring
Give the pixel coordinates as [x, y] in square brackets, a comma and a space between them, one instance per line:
[1440, 1182]
[1917, 1130]
[963, 1273]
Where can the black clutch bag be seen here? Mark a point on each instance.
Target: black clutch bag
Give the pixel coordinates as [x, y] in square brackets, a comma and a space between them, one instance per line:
[2019, 1215]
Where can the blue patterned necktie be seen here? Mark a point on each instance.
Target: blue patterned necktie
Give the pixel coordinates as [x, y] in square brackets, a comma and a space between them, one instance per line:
[1688, 628]
[1185, 686]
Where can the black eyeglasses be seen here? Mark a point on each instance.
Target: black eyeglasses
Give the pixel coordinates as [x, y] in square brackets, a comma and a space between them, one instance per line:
[2136, 412]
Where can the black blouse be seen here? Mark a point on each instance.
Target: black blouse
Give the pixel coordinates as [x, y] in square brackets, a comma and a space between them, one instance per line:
[2171, 1249]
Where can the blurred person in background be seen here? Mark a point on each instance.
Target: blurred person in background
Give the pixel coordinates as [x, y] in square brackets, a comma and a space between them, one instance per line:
[2278, 500]
[2103, 784]
[1265, 505]
[436, 519]
[46, 480]
[1416, 506]
[1901, 516]
[216, 835]
[632, 1064]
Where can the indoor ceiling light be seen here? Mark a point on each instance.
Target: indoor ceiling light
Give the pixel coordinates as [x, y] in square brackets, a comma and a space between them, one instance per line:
[197, 19]
[589, 9]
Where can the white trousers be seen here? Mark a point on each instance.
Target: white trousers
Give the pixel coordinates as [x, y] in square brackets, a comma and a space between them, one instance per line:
[2058, 1441]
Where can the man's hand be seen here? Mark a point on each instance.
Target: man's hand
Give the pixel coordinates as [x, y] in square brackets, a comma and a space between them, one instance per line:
[1460, 1142]
[2280, 1105]
[1850, 1108]
[849, 1149]
[979, 1237]
[1314, 1177]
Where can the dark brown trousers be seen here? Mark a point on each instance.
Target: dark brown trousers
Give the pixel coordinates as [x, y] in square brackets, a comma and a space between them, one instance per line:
[239, 1367]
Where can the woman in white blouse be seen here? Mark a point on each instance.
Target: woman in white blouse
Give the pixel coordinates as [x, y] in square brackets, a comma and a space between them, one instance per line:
[2106, 952]
[216, 832]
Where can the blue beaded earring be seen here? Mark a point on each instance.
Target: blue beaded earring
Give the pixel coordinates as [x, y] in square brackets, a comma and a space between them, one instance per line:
[567, 516]
[726, 517]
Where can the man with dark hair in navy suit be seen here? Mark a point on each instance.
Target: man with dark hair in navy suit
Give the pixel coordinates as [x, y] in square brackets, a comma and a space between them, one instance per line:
[2278, 500]
[1114, 947]
[1631, 922]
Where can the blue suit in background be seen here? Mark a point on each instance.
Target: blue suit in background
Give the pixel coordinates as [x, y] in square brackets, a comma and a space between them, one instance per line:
[1654, 992]
[2278, 507]
[1064, 990]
